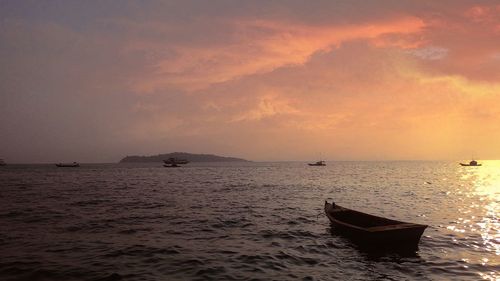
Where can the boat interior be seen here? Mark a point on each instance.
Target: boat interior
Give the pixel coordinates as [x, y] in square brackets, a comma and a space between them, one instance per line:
[362, 220]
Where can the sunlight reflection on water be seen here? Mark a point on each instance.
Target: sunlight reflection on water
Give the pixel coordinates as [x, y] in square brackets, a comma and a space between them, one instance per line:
[485, 184]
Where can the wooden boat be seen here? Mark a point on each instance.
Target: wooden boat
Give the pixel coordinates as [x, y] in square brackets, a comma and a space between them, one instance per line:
[471, 163]
[373, 231]
[68, 165]
[319, 163]
[175, 161]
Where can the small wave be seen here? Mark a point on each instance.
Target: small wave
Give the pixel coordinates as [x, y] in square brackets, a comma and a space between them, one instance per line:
[287, 235]
[254, 259]
[240, 223]
[112, 277]
[18, 267]
[12, 214]
[188, 263]
[43, 274]
[72, 228]
[210, 272]
[259, 263]
[296, 259]
[143, 251]
[35, 272]
[134, 230]
[153, 205]
[303, 234]
[208, 238]
[35, 219]
[91, 202]
[271, 234]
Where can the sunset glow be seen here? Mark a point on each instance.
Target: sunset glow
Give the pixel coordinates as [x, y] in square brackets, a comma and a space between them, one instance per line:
[259, 80]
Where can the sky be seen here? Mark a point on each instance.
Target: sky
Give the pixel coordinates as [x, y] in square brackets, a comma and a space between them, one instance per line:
[94, 81]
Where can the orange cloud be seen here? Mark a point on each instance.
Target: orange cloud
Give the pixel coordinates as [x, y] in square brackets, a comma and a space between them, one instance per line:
[483, 13]
[464, 41]
[267, 106]
[263, 46]
[397, 109]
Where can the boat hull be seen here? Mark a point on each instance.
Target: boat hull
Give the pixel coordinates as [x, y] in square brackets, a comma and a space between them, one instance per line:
[176, 161]
[469, 165]
[372, 231]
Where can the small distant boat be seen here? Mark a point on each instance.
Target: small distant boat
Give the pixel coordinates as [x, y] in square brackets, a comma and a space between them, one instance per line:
[175, 161]
[173, 165]
[68, 165]
[2, 163]
[319, 163]
[471, 163]
[373, 231]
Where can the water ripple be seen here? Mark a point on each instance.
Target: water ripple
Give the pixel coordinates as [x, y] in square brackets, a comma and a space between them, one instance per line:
[248, 221]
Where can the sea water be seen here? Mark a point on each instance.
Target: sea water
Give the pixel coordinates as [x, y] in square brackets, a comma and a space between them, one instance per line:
[243, 221]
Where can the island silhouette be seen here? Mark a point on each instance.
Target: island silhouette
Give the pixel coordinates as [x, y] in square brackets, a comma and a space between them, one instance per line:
[191, 157]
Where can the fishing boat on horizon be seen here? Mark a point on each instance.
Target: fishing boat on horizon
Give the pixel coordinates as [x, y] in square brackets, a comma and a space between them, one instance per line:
[471, 163]
[318, 163]
[68, 165]
[173, 160]
[373, 231]
[2, 163]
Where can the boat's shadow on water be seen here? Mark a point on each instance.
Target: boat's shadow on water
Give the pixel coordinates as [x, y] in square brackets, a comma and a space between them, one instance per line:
[378, 252]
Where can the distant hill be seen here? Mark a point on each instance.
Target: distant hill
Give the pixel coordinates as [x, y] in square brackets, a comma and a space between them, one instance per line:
[181, 155]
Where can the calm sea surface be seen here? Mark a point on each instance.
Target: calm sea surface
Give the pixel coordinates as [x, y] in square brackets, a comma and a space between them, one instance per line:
[243, 221]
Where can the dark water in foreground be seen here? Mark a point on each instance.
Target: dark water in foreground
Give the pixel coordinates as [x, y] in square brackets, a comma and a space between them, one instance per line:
[243, 221]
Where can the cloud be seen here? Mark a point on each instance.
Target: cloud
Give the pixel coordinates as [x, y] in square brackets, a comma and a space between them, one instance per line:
[483, 13]
[259, 46]
[470, 34]
[429, 53]
[267, 106]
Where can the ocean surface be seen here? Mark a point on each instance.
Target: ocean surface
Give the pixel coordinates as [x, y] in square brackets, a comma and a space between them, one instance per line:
[243, 221]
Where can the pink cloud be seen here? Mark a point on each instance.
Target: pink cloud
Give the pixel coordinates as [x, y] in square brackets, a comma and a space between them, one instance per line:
[429, 53]
[259, 47]
[267, 106]
[482, 13]
[470, 37]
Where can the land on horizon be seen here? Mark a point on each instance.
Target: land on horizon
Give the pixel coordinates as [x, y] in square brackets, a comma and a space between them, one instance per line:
[191, 157]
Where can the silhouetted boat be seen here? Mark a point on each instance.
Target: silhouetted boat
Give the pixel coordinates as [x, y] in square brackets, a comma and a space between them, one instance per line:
[319, 163]
[68, 165]
[2, 163]
[176, 161]
[373, 231]
[471, 163]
